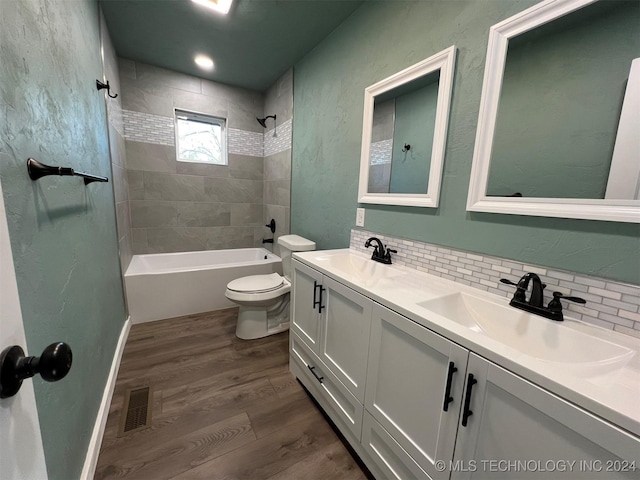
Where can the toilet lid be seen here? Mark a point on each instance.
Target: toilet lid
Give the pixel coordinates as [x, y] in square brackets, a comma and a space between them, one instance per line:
[256, 283]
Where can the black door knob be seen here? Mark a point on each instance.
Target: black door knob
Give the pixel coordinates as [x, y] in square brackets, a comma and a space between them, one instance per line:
[52, 365]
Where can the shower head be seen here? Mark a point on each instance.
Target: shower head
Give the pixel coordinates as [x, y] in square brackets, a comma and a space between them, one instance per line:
[263, 121]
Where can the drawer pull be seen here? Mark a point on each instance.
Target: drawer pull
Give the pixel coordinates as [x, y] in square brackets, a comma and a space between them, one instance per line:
[467, 401]
[311, 369]
[447, 391]
[315, 288]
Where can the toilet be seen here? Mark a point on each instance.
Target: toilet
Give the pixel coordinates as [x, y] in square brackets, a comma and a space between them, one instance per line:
[264, 299]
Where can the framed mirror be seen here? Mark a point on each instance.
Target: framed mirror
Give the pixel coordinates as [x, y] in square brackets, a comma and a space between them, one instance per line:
[404, 130]
[558, 124]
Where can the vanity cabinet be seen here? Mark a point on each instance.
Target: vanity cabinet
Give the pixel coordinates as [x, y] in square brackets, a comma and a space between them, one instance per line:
[331, 325]
[513, 419]
[414, 387]
[411, 401]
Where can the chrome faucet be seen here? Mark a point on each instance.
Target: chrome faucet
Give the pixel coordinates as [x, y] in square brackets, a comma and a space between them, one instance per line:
[379, 253]
[536, 298]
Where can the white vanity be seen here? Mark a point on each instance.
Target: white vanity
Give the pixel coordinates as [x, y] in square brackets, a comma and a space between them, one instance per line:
[427, 378]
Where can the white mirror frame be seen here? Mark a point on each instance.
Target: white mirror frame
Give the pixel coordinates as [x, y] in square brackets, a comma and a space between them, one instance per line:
[445, 62]
[477, 200]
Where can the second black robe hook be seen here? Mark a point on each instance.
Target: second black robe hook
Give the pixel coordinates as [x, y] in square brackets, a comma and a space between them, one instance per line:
[100, 86]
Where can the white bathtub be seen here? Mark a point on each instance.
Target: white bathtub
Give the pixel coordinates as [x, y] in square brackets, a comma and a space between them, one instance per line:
[169, 285]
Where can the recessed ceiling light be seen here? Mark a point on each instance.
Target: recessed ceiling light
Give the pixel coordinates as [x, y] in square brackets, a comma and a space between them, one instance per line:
[221, 6]
[204, 62]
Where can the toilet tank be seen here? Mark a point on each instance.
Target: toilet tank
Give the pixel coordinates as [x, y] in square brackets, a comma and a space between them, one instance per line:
[289, 244]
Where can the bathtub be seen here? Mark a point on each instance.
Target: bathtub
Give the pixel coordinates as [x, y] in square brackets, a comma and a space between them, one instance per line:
[170, 285]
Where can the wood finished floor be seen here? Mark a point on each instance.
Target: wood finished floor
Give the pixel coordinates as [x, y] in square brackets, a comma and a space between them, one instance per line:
[223, 409]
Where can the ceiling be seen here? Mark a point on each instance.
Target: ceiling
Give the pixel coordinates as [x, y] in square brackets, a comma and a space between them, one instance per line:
[251, 46]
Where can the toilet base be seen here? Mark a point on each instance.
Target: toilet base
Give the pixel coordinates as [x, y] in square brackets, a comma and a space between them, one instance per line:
[259, 321]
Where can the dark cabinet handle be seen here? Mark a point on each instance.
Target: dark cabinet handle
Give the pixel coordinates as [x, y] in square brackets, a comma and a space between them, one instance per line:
[320, 306]
[467, 400]
[52, 365]
[311, 369]
[447, 391]
[315, 288]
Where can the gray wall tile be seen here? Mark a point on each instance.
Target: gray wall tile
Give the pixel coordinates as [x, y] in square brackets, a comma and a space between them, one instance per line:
[277, 192]
[198, 214]
[139, 244]
[246, 167]
[278, 166]
[202, 169]
[127, 68]
[249, 214]
[150, 157]
[135, 180]
[232, 190]
[229, 237]
[163, 186]
[157, 76]
[120, 183]
[153, 213]
[140, 97]
[176, 239]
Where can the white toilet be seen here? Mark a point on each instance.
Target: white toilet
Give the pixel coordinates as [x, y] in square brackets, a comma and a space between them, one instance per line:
[264, 299]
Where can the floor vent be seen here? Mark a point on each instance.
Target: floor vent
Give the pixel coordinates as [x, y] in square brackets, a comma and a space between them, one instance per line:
[136, 411]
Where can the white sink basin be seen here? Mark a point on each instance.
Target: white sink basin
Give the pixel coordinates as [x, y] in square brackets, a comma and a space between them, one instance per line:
[359, 269]
[532, 335]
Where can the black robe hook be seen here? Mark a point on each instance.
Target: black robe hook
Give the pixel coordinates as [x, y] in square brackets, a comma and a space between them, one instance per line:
[100, 86]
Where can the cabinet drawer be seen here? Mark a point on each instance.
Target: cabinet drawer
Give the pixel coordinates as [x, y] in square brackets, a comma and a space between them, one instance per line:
[388, 455]
[334, 395]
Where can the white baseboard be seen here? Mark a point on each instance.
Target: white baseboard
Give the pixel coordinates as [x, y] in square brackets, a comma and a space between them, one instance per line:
[91, 460]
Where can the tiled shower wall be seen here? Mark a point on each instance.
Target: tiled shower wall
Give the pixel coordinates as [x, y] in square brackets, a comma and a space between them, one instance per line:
[277, 154]
[180, 206]
[117, 148]
[610, 304]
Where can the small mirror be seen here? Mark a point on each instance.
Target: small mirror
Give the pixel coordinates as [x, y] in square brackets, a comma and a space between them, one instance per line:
[557, 132]
[404, 134]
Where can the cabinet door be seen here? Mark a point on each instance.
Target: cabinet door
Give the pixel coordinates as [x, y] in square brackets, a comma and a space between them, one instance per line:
[407, 381]
[305, 315]
[519, 430]
[335, 399]
[344, 345]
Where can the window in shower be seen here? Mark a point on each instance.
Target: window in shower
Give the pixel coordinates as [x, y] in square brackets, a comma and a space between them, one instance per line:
[200, 138]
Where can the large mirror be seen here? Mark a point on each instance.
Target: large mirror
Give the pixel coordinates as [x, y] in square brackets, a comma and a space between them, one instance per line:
[558, 127]
[404, 133]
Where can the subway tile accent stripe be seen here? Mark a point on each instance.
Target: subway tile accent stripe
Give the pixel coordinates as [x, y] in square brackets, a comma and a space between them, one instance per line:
[381, 152]
[149, 128]
[243, 142]
[281, 142]
[610, 304]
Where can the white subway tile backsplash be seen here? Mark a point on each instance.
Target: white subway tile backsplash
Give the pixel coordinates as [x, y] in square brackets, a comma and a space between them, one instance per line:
[611, 305]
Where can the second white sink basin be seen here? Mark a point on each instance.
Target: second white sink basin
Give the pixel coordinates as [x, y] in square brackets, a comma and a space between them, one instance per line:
[532, 335]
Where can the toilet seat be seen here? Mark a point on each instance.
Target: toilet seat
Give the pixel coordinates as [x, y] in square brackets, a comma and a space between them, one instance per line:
[256, 288]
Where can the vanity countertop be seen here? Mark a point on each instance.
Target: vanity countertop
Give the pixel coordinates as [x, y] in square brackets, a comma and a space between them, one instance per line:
[611, 391]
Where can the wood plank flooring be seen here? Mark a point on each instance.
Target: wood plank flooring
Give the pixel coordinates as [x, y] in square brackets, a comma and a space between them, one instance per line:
[223, 409]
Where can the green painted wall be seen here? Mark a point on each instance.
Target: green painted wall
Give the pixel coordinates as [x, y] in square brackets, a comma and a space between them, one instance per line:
[414, 125]
[560, 108]
[381, 38]
[62, 233]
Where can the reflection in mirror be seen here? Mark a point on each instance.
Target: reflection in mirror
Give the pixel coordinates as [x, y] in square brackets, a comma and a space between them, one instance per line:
[402, 137]
[557, 131]
[560, 103]
[404, 132]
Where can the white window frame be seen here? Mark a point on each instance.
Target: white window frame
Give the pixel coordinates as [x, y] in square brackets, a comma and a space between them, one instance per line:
[202, 118]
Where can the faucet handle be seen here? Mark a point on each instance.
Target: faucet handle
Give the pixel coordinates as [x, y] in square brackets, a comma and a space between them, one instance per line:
[556, 306]
[508, 282]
